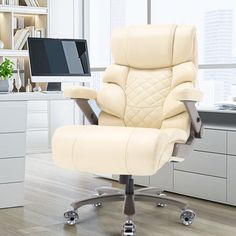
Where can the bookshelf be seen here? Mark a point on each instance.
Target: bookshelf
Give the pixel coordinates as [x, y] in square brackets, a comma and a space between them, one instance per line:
[14, 53]
[16, 15]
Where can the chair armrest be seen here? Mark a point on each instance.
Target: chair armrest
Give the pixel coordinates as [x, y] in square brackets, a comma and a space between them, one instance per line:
[80, 92]
[81, 95]
[188, 94]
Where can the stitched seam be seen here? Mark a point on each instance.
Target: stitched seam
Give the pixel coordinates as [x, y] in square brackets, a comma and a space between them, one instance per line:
[75, 142]
[173, 43]
[155, 155]
[73, 151]
[126, 149]
[127, 46]
[126, 103]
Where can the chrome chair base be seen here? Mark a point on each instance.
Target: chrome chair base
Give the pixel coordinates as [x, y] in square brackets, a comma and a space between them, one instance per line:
[109, 194]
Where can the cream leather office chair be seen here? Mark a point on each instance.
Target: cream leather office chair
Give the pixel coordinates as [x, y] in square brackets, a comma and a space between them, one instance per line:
[148, 117]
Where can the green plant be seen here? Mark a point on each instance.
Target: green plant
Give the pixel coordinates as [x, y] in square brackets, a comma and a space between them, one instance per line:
[6, 69]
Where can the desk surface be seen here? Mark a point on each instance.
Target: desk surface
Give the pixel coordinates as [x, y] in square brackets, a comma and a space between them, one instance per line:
[34, 96]
[214, 109]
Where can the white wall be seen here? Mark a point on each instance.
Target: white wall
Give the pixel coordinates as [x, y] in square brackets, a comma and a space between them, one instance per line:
[61, 18]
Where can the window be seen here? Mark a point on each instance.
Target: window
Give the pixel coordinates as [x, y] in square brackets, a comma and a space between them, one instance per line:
[215, 22]
[103, 17]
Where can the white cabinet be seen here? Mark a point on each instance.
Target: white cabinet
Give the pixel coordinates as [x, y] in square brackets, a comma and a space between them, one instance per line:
[231, 180]
[12, 145]
[163, 178]
[206, 163]
[11, 194]
[209, 172]
[231, 147]
[13, 116]
[202, 186]
[141, 180]
[213, 141]
[37, 127]
[44, 117]
[12, 152]
[12, 170]
[60, 113]
[37, 141]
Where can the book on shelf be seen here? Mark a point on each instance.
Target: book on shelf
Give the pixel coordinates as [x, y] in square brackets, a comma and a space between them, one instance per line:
[31, 30]
[36, 32]
[20, 38]
[24, 41]
[22, 35]
[40, 33]
[27, 2]
[10, 2]
[32, 3]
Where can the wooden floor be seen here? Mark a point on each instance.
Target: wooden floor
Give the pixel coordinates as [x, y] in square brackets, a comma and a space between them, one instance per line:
[50, 190]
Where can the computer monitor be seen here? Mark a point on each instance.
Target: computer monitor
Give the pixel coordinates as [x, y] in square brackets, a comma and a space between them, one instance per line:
[58, 60]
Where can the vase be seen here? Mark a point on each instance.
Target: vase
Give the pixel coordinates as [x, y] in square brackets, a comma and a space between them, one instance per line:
[10, 84]
[4, 86]
[18, 80]
[1, 44]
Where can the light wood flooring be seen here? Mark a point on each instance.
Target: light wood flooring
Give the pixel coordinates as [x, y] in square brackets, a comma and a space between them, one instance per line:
[49, 191]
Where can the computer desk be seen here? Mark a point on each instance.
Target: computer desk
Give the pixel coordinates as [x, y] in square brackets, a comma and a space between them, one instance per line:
[13, 125]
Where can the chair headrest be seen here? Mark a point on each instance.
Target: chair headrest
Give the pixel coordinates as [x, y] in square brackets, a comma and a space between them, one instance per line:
[154, 46]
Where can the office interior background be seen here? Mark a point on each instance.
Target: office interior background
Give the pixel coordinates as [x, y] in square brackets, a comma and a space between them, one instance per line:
[95, 20]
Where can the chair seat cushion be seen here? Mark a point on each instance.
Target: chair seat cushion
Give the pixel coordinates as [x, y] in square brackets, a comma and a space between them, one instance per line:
[113, 149]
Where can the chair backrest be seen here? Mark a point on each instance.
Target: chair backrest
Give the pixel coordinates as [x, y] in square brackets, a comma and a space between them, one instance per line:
[150, 62]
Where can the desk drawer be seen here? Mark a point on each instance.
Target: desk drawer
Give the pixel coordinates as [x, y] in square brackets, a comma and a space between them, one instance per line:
[13, 116]
[11, 195]
[37, 140]
[12, 170]
[231, 180]
[37, 106]
[212, 141]
[204, 163]
[231, 148]
[202, 186]
[12, 145]
[37, 121]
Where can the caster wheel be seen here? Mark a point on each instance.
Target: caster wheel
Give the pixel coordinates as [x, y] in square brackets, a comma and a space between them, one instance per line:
[187, 217]
[71, 217]
[162, 205]
[129, 229]
[97, 204]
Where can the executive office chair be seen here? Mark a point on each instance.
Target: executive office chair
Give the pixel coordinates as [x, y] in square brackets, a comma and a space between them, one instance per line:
[148, 117]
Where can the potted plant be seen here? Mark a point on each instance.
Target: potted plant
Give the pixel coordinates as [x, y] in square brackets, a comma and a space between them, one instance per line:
[6, 72]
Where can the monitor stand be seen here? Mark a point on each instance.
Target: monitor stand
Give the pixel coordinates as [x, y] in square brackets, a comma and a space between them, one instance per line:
[54, 87]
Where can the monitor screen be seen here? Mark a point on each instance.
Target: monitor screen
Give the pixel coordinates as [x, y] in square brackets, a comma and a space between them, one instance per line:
[58, 57]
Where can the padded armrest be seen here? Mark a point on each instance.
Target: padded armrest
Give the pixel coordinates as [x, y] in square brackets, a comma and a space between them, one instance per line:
[188, 94]
[80, 92]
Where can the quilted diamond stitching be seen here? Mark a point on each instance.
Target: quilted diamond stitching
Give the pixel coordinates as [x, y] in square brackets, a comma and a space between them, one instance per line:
[146, 92]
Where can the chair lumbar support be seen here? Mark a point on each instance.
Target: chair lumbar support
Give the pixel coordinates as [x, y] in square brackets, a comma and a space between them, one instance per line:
[129, 196]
